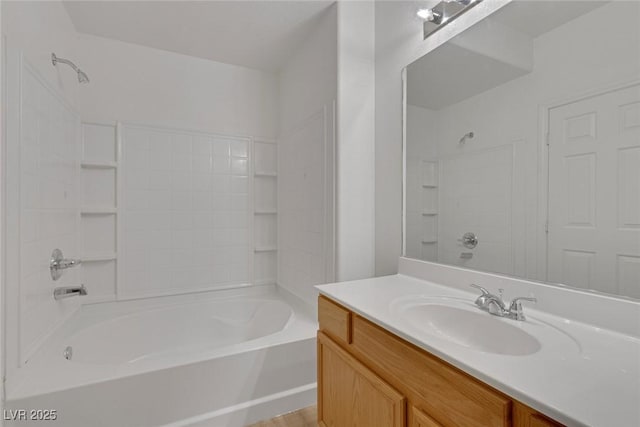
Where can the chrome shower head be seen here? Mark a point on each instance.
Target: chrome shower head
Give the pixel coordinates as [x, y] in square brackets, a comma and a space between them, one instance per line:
[82, 76]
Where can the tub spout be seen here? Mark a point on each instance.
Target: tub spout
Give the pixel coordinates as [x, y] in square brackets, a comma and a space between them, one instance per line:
[69, 291]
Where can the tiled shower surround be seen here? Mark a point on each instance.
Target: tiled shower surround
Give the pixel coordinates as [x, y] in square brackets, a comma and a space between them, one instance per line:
[48, 199]
[186, 209]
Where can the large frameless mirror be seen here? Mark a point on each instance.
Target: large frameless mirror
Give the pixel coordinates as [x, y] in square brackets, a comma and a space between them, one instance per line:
[522, 146]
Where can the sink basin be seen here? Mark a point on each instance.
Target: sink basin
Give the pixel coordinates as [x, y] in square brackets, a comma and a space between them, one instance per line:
[465, 325]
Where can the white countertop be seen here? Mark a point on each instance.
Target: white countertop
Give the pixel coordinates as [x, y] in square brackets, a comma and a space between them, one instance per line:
[581, 376]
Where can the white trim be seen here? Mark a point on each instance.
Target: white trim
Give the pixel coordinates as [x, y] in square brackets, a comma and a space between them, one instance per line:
[181, 291]
[254, 410]
[119, 204]
[403, 185]
[195, 132]
[251, 178]
[3, 226]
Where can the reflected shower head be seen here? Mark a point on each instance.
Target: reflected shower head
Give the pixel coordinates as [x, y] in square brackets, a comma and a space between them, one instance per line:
[466, 136]
[82, 76]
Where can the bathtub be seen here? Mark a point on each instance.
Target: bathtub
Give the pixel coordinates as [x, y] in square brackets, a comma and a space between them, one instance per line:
[224, 358]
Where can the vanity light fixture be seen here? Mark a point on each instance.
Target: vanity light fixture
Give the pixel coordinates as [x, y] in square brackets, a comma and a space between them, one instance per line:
[462, 2]
[443, 13]
[430, 15]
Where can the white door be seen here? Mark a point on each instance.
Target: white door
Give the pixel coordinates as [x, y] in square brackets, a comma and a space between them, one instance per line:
[594, 193]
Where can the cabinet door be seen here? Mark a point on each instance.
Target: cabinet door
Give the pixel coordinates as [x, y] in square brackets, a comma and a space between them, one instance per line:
[351, 395]
[420, 419]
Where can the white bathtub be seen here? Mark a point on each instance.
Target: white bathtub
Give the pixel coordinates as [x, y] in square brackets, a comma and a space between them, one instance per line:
[226, 358]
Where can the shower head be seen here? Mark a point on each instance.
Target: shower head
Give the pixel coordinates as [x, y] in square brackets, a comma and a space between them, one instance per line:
[464, 138]
[82, 76]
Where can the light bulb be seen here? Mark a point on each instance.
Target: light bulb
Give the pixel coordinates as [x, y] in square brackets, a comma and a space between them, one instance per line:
[426, 14]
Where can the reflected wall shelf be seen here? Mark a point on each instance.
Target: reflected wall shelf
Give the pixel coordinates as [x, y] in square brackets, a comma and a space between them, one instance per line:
[99, 165]
[98, 211]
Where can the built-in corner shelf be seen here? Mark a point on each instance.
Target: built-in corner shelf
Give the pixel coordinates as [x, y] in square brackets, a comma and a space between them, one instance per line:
[429, 242]
[99, 257]
[99, 165]
[429, 186]
[429, 213]
[100, 177]
[265, 181]
[98, 211]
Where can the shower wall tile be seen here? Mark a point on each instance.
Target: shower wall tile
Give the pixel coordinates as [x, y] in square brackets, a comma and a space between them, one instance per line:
[48, 166]
[187, 211]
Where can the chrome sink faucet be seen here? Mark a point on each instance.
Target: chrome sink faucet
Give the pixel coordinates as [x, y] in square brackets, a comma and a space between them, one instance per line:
[495, 305]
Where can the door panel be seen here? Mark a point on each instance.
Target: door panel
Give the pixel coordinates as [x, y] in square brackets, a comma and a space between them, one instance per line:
[594, 193]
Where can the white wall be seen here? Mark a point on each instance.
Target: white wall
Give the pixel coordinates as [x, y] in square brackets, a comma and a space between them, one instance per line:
[38, 28]
[355, 156]
[308, 90]
[151, 86]
[398, 35]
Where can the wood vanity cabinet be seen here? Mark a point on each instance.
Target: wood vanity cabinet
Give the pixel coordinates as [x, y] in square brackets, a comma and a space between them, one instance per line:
[368, 377]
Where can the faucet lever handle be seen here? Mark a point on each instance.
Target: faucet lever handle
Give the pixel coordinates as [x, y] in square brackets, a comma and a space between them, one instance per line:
[481, 289]
[516, 301]
[515, 309]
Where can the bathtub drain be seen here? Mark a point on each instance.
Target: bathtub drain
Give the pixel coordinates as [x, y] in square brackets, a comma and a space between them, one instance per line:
[68, 353]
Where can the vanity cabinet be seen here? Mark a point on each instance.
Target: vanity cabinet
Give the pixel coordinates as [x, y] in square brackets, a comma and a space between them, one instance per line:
[369, 377]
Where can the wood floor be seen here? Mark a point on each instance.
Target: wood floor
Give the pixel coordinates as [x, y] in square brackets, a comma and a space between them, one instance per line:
[306, 417]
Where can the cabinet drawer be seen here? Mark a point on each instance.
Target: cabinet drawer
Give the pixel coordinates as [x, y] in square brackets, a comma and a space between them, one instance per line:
[334, 320]
[449, 396]
[420, 419]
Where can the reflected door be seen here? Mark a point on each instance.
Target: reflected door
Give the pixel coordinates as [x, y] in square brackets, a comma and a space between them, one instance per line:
[594, 193]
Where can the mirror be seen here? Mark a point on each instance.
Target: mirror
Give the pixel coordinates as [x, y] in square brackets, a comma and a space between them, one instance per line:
[522, 146]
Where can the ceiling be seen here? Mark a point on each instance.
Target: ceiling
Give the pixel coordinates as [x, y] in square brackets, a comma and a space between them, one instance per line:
[443, 79]
[255, 34]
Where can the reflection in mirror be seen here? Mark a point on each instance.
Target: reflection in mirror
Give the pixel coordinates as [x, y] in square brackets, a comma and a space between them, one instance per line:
[523, 146]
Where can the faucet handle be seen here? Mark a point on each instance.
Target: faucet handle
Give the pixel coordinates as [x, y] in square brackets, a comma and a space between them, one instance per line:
[516, 301]
[515, 309]
[481, 289]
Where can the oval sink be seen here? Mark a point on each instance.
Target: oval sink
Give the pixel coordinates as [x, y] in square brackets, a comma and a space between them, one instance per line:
[469, 328]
